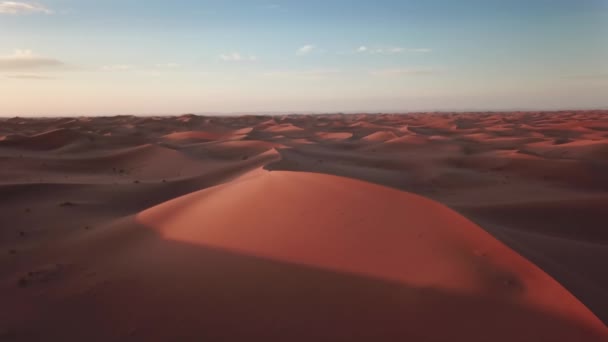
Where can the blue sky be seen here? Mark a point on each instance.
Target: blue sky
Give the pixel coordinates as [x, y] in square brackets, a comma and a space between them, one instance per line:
[69, 57]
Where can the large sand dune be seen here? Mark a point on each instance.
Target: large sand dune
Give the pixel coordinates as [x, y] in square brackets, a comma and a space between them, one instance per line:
[305, 228]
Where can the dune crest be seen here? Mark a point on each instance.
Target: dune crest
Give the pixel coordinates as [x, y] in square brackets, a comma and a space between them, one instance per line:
[380, 136]
[350, 226]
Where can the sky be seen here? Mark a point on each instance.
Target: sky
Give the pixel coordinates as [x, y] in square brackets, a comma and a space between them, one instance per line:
[81, 57]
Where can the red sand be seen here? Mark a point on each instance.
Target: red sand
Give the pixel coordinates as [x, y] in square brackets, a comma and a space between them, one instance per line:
[126, 228]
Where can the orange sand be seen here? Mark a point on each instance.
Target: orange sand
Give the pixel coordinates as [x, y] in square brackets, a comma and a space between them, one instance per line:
[257, 228]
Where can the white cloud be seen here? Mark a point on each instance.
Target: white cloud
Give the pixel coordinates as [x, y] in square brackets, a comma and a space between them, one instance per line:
[404, 71]
[303, 74]
[391, 50]
[144, 70]
[31, 77]
[394, 50]
[420, 50]
[306, 49]
[167, 65]
[237, 57]
[26, 60]
[116, 67]
[15, 7]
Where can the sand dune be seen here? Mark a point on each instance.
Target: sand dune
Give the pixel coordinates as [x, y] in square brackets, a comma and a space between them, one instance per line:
[408, 140]
[369, 126]
[238, 149]
[579, 149]
[334, 135]
[380, 136]
[380, 233]
[201, 136]
[50, 140]
[282, 128]
[305, 228]
[369, 247]
[193, 136]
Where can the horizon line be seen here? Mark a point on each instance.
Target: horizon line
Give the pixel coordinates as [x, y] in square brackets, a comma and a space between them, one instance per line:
[303, 112]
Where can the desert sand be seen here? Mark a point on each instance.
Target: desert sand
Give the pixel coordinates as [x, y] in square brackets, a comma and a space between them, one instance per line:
[361, 227]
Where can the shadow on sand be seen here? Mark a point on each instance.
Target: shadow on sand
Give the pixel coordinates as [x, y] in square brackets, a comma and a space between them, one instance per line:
[132, 285]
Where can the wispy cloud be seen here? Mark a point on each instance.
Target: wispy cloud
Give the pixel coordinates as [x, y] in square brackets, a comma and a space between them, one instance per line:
[273, 6]
[15, 7]
[30, 77]
[600, 75]
[303, 74]
[404, 71]
[421, 50]
[116, 67]
[27, 60]
[167, 65]
[306, 49]
[390, 50]
[153, 69]
[237, 57]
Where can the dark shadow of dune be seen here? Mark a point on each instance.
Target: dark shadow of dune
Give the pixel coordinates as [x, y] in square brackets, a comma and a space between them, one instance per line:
[574, 267]
[146, 288]
[128, 199]
[577, 265]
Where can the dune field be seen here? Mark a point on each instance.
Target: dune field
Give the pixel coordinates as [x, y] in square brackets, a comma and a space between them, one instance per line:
[359, 227]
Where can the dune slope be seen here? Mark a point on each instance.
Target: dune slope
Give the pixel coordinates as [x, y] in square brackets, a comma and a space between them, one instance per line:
[299, 256]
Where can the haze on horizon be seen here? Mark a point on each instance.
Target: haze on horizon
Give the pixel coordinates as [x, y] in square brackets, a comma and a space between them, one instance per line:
[68, 57]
